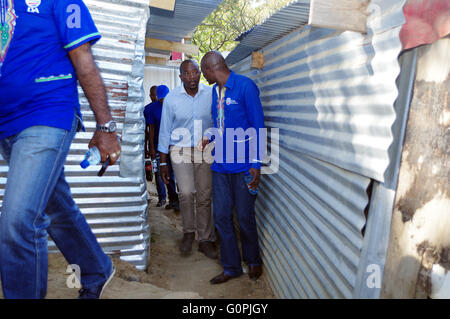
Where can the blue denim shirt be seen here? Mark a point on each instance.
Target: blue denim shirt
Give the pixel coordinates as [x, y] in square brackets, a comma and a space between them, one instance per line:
[184, 118]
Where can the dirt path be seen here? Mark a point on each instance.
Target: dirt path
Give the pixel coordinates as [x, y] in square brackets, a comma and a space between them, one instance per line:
[169, 270]
[168, 276]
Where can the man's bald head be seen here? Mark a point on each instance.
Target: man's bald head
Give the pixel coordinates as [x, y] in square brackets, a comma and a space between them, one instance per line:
[213, 60]
[214, 67]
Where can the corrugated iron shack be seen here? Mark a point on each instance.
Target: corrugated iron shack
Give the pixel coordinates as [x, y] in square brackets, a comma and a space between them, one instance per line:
[324, 216]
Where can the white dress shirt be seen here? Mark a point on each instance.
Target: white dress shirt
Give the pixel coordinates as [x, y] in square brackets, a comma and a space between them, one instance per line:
[184, 118]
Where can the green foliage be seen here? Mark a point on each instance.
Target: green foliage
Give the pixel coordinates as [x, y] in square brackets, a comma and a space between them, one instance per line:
[233, 17]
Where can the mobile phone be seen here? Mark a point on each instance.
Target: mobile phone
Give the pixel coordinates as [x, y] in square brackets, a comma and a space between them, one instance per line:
[104, 167]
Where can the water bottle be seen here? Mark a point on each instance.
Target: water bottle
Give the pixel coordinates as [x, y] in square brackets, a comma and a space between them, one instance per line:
[248, 178]
[92, 157]
[154, 166]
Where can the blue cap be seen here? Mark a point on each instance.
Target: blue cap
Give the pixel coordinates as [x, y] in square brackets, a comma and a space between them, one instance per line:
[162, 91]
[85, 163]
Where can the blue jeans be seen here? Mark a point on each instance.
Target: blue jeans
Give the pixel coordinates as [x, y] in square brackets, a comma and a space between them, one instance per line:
[230, 192]
[38, 202]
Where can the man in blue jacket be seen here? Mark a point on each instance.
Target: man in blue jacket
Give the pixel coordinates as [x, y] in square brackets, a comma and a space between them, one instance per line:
[44, 49]
[239, 125]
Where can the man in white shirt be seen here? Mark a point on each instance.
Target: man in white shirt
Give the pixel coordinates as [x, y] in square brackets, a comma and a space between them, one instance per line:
[186, 114]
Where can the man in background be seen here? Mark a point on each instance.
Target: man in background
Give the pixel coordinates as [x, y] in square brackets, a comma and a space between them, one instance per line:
[152, 115]
[148, 163]
[153, 96]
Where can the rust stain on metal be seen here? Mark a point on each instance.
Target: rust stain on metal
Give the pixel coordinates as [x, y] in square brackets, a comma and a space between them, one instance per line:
[118, 113]
[426, 148]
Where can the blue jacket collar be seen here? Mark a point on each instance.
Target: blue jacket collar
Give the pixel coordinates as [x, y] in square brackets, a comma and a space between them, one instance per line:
[230, 82]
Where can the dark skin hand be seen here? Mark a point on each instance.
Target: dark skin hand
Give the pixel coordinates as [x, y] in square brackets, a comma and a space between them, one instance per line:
[94, 89]
[256, 173]
[164, 170]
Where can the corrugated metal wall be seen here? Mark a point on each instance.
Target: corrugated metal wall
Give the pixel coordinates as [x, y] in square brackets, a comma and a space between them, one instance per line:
[157, 75]
[115, 206]
[331, 94]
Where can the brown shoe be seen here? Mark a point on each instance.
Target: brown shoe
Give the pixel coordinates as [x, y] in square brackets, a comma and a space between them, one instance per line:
[220, 279]
[208, 248]
[254, 272]
[186, 243]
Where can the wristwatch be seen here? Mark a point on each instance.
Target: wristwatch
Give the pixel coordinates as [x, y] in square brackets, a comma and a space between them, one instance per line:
[109, 127]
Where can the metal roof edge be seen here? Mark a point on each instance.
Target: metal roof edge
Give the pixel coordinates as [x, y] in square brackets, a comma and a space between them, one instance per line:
[287, 19]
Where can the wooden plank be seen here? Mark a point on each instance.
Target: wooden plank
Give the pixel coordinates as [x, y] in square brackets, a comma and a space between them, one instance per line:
[156, 60]
[257, 60]
[151, 43]
[163, 4]
[347, 15]
[419, 237]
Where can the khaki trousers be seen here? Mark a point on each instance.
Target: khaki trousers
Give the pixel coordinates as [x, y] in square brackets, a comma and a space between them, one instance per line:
[194, 180]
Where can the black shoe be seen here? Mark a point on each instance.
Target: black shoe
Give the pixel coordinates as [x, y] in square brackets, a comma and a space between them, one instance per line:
[175, 206]
[220, 279]
[254, 272]
[186, 243]
[95, 292]
[208, 248]
[161, 202]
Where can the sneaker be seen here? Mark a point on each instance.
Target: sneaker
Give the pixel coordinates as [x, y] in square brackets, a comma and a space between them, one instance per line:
[95, 292]
[161, 202]
[208, 248]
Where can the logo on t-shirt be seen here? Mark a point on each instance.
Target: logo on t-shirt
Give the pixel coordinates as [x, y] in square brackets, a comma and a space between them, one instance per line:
[230, 101]
[33, 5]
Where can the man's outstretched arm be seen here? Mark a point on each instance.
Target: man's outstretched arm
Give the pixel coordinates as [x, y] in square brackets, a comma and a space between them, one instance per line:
[90, 80]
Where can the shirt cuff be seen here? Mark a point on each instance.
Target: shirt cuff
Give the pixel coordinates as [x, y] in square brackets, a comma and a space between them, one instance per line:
[163, 149]
[93, 37]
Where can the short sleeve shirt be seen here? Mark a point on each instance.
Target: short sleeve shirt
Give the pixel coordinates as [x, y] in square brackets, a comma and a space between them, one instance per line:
[152, 114]
[38, 84]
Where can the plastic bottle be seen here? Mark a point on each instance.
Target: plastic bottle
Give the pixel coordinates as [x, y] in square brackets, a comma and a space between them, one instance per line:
[92, 157]
[248, 178]
[154, 166]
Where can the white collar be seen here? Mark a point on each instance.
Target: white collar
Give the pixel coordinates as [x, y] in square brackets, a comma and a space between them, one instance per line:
[201, 88]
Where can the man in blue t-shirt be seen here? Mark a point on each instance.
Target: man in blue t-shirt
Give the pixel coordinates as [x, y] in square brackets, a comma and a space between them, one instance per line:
[152, 113]
[238, 136]
[148, 165]
[45, 47]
